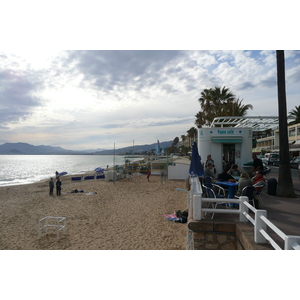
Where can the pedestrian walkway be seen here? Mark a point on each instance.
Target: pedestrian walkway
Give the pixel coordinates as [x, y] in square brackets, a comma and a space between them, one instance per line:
[283, 212]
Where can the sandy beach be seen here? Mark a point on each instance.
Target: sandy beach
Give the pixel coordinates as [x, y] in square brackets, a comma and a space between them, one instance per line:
[124, 215]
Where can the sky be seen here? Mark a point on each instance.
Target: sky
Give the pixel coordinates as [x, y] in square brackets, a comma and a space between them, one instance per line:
[91, 99]
[143, 90]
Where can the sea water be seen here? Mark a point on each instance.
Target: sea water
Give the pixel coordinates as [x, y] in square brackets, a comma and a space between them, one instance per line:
[24, 169]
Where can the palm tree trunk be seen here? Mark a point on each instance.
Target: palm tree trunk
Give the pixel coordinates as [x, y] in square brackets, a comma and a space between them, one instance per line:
[285, 186]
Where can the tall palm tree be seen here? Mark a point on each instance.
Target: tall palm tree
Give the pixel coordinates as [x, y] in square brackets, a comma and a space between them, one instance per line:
[285, 186]
[236, 108]
[295, 113]
[219, 102]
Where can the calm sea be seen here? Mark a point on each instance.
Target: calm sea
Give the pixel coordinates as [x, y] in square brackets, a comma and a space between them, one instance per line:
[23, 169]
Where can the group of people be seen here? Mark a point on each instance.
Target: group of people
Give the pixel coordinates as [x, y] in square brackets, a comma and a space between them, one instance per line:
[253, 178]
[57, 184]
[234, 170]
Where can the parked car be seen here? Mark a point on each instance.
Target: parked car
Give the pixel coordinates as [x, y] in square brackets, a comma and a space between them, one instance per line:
[276, 162]
[295, 163]
[269, 158]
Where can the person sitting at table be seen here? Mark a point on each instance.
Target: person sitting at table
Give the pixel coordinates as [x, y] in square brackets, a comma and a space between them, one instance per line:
[258, 179]
[209, 171]
[225, 175]
[244, 181]
[235, 170]
[210, 160]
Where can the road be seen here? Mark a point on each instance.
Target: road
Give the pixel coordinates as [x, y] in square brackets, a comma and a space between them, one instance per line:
[276, 170]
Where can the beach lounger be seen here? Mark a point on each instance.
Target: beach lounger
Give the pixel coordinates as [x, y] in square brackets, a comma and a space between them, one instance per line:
[100, 176]
[89, 177]
[78, 178]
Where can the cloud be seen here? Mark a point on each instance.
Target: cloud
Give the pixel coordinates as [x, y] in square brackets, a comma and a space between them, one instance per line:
[73, 97]
[103, 70]
[17, 97]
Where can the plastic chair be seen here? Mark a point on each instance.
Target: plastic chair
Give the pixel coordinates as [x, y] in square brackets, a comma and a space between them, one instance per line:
[257, 194]
[210, 193]
[249, 191]
[208, 181]
[220, 192]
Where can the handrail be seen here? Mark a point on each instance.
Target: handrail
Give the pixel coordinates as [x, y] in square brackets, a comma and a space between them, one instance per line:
[273, 227]
[260, 221]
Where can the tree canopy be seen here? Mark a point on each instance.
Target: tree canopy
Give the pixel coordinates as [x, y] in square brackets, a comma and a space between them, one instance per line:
[219, 102]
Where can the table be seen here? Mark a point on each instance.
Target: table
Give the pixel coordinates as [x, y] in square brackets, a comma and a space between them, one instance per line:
[230, 185]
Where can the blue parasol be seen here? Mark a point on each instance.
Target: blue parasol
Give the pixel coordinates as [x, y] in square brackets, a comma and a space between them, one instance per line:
[99, 170]
[196, 168]
[62, 173]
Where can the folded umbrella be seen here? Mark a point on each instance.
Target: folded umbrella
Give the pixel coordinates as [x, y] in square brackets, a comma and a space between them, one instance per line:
[196, 168]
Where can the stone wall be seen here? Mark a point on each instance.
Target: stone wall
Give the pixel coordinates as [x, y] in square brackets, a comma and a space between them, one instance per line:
[220, 234]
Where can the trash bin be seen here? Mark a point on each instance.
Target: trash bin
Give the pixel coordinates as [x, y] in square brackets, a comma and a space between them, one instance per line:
[272, 185]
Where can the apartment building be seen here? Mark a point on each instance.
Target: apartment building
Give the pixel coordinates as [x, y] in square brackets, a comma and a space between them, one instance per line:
[271, 142]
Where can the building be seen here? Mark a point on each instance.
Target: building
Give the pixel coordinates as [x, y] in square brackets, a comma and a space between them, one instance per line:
[230, 139]
[227, 145]
[271, 143]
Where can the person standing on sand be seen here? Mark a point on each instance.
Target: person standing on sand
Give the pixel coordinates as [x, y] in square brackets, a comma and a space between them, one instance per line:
[58, 186]
[56, 174]
[51, 186]
[129, 176]
[148, 174]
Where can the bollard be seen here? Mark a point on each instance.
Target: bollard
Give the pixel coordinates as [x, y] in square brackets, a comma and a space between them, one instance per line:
[272, 185]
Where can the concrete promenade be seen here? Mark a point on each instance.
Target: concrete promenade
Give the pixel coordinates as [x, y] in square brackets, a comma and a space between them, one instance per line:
[283, 212]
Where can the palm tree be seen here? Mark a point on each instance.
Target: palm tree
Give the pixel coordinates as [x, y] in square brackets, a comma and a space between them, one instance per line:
[295, 113]
[219, 102]
[175, 141]
[192, 132]
[285, 186]
[212, 103]
[199, 119]
[236, 108]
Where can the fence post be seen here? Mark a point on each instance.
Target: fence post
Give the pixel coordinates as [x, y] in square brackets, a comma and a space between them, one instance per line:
[291, 240]
[197, 207]
[243, 208]
[259, 224]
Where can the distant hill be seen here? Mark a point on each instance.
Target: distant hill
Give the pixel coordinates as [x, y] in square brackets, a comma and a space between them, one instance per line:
[137, 148]
[24, 148]
[27, 149]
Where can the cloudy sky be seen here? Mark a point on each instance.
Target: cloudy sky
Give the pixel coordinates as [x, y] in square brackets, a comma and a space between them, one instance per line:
[93, 99]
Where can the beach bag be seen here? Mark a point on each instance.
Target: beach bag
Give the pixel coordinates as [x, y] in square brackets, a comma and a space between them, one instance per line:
[184, 219]
[178, 213]
[185, 214]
